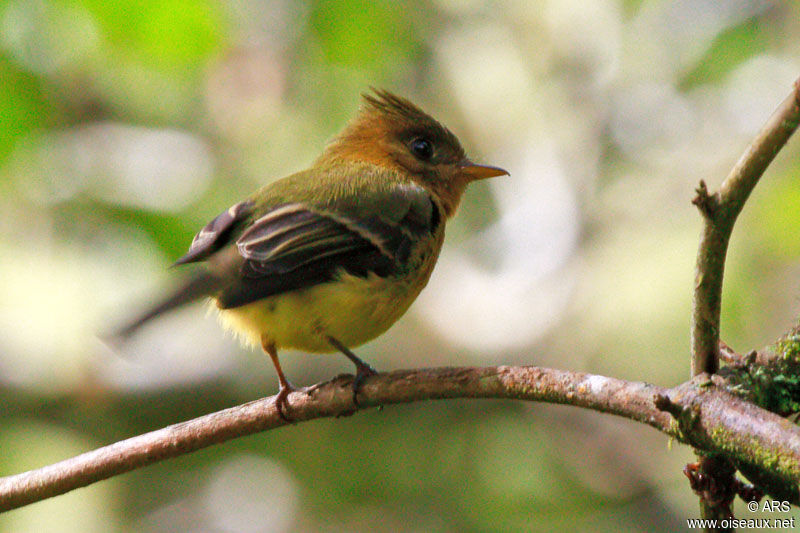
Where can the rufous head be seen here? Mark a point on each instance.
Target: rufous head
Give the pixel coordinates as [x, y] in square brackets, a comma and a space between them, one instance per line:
[391, 132]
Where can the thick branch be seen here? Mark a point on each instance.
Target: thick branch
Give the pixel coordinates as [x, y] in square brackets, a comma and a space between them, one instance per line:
[705, 417]
[719, 212]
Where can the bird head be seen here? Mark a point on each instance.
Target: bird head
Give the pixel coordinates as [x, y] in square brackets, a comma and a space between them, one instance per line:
[391, 132]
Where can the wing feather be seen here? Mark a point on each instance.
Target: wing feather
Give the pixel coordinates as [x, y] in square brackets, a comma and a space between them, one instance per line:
[216, 233]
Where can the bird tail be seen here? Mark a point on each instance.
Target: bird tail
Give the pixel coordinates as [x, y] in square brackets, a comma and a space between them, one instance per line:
[200, 285]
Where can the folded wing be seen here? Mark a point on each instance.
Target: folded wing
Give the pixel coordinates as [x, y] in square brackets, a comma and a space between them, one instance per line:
[295, 245]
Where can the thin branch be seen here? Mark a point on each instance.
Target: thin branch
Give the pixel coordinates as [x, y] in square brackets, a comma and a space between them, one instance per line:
[719, 213]
[705, 417]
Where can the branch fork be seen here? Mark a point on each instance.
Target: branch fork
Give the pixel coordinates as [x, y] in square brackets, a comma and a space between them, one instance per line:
[720, 211]
[705, 202]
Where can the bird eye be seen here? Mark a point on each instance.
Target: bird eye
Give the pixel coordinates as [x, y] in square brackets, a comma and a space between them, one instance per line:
[422, 148]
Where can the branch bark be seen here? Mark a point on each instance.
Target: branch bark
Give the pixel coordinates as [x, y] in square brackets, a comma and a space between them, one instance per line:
[704, 417]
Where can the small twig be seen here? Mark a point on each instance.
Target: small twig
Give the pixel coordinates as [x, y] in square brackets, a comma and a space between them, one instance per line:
[713, 479]
[708, 485]
[663, 403]
[729, 356]
[705, 202]
[739, 361]
[721, 423]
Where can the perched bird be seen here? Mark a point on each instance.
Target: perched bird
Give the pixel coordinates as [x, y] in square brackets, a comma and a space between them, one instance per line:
[330, 257]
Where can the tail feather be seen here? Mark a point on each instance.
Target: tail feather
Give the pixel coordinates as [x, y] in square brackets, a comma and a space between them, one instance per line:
[202, 284]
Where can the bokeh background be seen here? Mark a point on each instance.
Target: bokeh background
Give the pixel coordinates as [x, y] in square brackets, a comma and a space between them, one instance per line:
[126, 125]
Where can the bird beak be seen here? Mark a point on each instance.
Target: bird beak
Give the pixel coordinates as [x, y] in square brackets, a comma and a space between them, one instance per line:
[479, 172]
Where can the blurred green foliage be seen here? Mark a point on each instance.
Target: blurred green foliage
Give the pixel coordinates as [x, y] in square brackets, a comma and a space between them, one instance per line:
[366, 35]
[730, 49]
[22, 105]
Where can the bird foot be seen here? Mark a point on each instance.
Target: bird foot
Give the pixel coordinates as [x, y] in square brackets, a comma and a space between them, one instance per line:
[363, 371]
[282, 402]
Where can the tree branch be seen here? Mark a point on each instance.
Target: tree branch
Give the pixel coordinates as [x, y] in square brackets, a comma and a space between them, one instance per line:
[706, 418]
[719, 213]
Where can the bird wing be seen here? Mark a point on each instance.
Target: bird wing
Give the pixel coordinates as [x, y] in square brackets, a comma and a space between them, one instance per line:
[216, 233]
[295, 245]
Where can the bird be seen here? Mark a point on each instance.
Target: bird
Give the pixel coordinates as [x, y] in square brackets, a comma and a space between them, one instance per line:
[330, 257]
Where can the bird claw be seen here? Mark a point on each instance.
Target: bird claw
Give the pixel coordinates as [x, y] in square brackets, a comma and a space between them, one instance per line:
[282, 403]
[363, 371]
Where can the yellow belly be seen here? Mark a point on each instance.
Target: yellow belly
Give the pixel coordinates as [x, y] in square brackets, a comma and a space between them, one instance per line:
[351, 309]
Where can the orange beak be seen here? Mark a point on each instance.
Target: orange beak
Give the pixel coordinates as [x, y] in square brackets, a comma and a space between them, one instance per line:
[479, 172]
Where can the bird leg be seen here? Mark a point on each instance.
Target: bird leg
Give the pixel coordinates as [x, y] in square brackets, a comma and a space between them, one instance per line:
[363, 370]
[281, 400]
